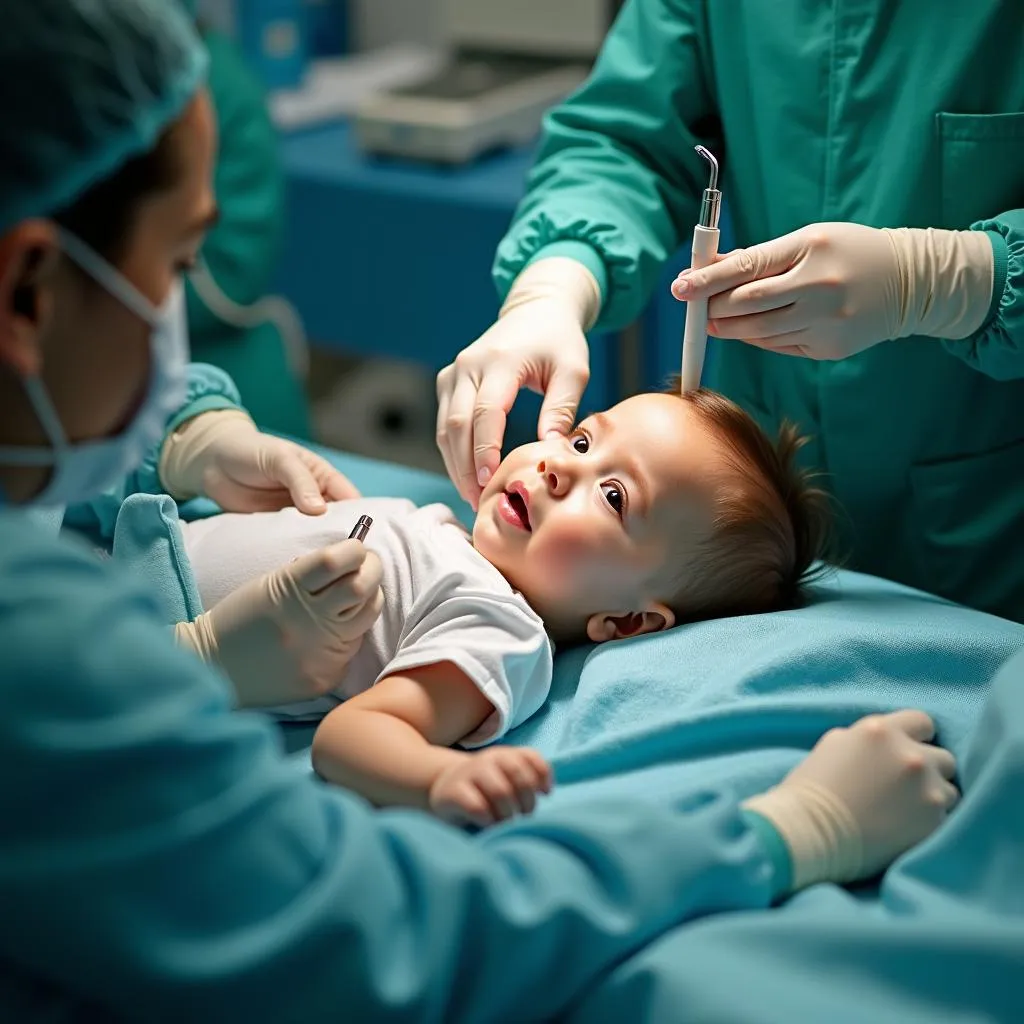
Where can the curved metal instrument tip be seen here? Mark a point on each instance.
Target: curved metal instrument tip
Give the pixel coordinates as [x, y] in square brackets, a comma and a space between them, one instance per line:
[709, 156]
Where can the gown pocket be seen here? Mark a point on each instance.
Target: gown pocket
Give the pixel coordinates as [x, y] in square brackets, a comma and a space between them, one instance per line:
[969, 536]
[982, 166]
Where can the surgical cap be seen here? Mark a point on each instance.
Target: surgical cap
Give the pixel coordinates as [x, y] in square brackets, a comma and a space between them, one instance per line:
[85, 86]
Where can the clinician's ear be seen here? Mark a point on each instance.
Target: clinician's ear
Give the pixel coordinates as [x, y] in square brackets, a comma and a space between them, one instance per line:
[619, 625]
[28, 255]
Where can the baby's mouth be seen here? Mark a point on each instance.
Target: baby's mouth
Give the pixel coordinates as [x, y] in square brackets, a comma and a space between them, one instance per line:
[514, 507]
[521, 509]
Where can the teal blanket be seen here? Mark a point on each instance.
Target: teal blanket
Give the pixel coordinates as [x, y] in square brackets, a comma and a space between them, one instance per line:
[742, 700]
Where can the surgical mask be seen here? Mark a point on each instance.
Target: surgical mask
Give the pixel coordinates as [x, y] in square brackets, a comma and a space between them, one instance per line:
[84, 469]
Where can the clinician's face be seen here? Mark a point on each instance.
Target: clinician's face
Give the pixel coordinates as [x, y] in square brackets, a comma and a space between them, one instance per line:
[93, 353]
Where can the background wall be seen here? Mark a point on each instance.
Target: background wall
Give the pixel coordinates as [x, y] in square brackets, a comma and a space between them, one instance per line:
[378, 22]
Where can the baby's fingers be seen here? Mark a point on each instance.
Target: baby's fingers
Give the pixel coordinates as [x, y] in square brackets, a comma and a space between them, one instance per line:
[544, 775]
[526, 784]
[531, 776]
[466, 805]
[500, 789]
[527, 772]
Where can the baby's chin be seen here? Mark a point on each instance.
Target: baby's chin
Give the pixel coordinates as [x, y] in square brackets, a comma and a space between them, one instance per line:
[562, 619]
[527, 578]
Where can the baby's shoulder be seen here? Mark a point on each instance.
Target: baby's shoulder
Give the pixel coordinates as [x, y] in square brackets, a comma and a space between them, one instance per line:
[442, 551]
[437, 516]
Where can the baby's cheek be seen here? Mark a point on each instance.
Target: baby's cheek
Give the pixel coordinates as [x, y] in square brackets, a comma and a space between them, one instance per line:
[569, 559]
[567, 547]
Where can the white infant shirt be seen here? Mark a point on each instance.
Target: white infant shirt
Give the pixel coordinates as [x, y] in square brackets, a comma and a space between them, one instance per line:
[443, 601]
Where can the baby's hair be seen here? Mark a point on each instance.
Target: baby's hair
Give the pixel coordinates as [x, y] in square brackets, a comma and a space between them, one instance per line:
[771, 526]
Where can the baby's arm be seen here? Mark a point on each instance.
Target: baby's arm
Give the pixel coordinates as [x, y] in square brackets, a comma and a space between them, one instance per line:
[392, 745]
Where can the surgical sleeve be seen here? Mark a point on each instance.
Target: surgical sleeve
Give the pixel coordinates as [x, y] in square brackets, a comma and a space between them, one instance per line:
[997, 347]
[208, 388]
[159, 857]
[617, 182]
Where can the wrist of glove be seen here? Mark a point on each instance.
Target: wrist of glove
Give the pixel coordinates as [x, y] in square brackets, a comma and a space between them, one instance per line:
[184, 455]
[820, 832]
[945, 281]
[198, 636]
[557, 279]
[861, 797]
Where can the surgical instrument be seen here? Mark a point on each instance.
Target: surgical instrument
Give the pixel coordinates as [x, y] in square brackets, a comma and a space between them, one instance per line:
[361, 529]
[704, 251]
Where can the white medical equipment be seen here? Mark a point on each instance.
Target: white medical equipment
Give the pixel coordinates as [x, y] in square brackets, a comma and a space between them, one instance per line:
[270, 308]
[704, 250]
[509, 63]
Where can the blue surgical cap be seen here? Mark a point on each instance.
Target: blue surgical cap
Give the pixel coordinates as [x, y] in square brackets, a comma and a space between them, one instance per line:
[85, 86]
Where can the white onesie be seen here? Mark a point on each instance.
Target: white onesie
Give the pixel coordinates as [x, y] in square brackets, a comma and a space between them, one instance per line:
[443, 601]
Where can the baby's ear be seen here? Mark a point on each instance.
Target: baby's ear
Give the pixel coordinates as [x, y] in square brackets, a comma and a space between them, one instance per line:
[620, 625]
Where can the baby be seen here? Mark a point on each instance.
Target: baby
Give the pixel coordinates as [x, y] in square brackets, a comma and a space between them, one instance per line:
[664, 509]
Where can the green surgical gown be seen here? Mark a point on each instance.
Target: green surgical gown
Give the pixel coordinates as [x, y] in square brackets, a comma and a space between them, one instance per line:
[242, 249]
[885, 113]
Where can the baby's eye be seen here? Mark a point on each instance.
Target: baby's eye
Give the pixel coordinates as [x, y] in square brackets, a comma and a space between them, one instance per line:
[581, 443]
[615, 498]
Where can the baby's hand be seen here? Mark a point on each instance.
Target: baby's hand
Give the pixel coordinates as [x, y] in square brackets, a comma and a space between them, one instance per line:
[491, 785]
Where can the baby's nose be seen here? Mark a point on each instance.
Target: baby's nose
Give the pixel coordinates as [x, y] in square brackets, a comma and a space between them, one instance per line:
[556, 477]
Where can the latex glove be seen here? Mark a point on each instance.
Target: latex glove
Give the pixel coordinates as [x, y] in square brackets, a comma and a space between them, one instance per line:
[288, 636]
[490, 785]
[223, 456]
[862, 797]
[538, 343]
[831, 290]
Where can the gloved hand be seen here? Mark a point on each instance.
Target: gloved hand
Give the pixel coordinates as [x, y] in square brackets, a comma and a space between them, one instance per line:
[289, 635]
[861, 797]
[831, 290]
[538, 343]
[223, 456]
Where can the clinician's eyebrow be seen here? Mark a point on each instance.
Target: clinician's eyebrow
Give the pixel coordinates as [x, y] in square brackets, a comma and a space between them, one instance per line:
[632, 468]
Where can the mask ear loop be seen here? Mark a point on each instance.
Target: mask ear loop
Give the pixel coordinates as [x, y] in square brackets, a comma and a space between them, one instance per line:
[52, 427]
[110, 279]
[107, 277]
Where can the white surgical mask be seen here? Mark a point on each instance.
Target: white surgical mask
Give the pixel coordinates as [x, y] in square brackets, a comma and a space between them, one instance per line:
[85, 469]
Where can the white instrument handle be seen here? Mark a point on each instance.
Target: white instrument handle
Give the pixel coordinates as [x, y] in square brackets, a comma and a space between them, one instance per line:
[695, 334]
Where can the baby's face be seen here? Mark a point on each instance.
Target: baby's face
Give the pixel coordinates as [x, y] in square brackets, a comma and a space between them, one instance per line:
[593, 524]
